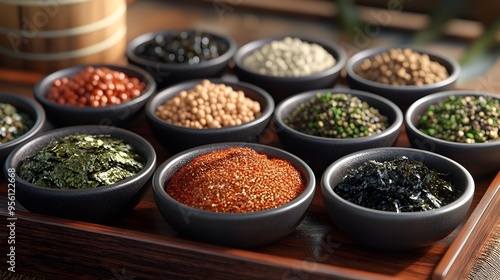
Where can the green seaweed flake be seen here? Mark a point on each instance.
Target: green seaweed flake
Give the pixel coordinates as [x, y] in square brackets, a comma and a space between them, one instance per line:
[81, 161]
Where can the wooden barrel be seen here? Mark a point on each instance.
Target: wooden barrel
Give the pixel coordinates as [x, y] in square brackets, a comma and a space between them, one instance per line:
[47, 35]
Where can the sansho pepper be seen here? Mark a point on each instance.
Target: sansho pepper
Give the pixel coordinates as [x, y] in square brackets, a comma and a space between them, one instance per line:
[463, 119]
[337, 115]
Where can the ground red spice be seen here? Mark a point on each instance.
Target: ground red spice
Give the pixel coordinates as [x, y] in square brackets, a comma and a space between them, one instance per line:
[235, 180]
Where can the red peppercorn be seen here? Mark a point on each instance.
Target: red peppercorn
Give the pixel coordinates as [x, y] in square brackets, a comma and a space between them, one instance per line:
[88, 86]
[235, 180]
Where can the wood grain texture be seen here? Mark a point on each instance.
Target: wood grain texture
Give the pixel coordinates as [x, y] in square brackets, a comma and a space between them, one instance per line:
[142, 245]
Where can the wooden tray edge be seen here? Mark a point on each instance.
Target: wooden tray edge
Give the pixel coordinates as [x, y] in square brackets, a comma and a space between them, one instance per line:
[460, 253]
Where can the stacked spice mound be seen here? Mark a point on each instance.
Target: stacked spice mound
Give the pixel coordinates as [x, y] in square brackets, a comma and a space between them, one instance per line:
[209, 105]
[96, 87]
[289, 57]
[402, 67]
[235, 180]
[337, 115]
[81, 161]
[184, 47]
[463, 119]
[13, 123]
[398, 185]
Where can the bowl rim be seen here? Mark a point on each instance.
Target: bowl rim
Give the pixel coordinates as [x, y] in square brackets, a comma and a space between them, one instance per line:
[435, 97]
[88, 129]
[266, 114]
[368, 53]
[159, 185]
[137, 72]
[39, 114]
[252, 46]
[141, 39]
[328, 193]
[393, 127]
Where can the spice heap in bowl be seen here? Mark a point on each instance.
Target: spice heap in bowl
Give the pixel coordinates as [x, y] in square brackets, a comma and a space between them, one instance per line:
[21, 119]
[463, 125]
[95, 94]
[199, 112]
[401, 74]
[234, 194]
[401, 198]
[88, 173]
[286, 65]
[173, 56]
[323, 125]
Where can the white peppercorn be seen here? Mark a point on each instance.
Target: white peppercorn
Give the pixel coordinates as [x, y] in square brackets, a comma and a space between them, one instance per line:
[289, 57]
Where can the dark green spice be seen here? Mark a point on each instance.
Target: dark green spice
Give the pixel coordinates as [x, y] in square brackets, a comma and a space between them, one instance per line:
[190, 47]
[81, 161]
[338, 115]
[13, 123]
[399, 185]
[463, 119]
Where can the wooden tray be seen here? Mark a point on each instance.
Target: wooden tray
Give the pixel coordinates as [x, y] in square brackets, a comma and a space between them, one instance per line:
[142, 245]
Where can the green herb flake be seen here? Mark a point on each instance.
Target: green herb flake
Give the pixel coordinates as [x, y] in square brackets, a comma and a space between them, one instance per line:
[13, 123]
[399, 185]
[81, 161]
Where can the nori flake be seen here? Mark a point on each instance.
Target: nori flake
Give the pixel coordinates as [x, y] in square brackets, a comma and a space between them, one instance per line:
[399, 185]
[81, 161]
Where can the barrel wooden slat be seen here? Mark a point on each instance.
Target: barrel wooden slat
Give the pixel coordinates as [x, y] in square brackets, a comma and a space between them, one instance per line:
[61, 33]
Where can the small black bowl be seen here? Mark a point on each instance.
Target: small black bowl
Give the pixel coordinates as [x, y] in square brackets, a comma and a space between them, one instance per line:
[167, 74]
[282, 87]
[30, 107]
[177, 138]
[403, 96]
[240, 230]
[479, 158]
[113, 115]
[319, 152]
[392, 231]
[97, 205]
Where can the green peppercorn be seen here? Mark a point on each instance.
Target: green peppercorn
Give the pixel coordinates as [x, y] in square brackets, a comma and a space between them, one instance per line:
[463, 119]
[13, 123]
[337, 115]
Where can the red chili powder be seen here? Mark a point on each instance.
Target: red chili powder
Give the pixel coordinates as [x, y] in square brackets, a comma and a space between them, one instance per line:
[235, 180]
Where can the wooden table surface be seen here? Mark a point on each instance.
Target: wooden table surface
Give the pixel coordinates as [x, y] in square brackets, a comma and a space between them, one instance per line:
[142, 245]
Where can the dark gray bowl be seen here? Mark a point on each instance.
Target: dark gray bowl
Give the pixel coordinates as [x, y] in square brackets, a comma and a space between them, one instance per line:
[390, 230]
[319, 152]
[242, 230]
[479, 158]
[32, 109]
[282, 87]
[114, 115]
[403, 96]
[99, 205]
[177, 138]
[167, 74]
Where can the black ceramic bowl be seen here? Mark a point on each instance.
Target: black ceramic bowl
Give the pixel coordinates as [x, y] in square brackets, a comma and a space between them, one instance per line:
[98, 205]
[113, 115]
[403, 96]
[167, 74]
[479, 158]
[319, 152]
[390, 230]
[282, 87]
[242, 230]
[30, 107]
[177, 138]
